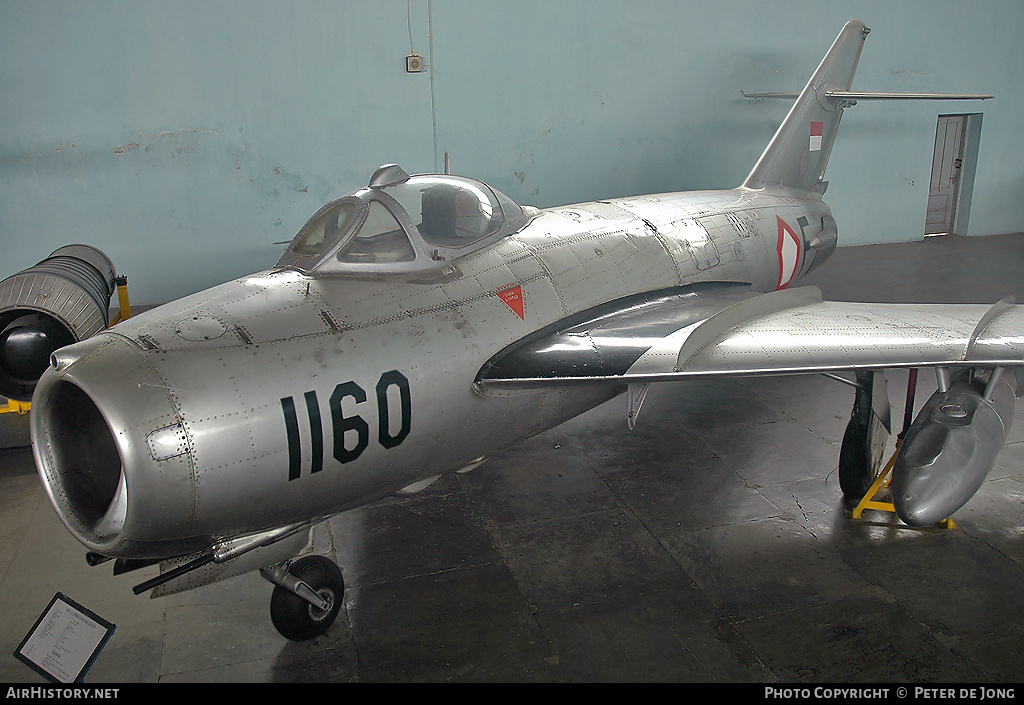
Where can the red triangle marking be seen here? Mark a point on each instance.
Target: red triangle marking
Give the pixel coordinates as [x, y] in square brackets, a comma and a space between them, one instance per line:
[513, 298]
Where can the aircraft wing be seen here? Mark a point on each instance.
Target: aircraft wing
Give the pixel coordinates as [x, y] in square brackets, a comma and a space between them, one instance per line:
[724, 331]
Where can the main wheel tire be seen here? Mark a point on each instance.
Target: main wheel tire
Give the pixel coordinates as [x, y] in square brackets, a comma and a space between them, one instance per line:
[297, 619]
[855, 476]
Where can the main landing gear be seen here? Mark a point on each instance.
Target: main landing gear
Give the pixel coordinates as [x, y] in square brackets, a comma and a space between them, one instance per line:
[860, 456]
[863, 480]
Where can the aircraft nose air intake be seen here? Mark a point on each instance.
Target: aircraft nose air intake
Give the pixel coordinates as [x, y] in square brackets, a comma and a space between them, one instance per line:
[85, 469]
[99, 479]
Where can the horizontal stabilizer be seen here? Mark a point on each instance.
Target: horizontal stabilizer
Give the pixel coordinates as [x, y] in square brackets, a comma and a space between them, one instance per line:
[874, 95]
[863, 95]
[791, 95]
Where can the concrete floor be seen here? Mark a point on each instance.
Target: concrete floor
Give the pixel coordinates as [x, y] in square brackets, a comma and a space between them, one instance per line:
[708, 544]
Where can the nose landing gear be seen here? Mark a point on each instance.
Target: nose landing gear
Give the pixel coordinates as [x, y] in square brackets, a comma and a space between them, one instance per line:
[307, 598]
[310, 588]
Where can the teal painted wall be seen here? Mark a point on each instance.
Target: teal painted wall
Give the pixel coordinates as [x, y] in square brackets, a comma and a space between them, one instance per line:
[188, 138]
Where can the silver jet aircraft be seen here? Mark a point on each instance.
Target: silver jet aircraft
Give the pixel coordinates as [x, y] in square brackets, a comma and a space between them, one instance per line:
[418, 325]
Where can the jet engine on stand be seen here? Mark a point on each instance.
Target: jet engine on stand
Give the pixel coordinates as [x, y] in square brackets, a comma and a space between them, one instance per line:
[59, 301]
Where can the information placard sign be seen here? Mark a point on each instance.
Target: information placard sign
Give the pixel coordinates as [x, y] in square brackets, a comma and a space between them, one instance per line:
[64, 641]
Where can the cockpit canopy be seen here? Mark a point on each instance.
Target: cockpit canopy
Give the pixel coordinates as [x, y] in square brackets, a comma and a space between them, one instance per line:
[403, 223]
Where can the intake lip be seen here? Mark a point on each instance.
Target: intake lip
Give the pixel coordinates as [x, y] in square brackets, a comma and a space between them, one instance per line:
[92, 412]
[79, 461]
[83, 470]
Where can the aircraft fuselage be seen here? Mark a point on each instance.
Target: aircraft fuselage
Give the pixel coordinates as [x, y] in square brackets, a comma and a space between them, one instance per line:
[284, 396]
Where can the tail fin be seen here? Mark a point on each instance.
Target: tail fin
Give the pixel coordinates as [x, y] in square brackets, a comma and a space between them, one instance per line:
[795, 158]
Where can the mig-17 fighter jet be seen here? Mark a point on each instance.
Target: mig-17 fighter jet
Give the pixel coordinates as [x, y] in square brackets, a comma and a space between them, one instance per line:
[420, 324]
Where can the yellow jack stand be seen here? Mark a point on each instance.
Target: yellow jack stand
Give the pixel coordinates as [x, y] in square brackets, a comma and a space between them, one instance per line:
[15, 407]
[881, 482]
[125, 309]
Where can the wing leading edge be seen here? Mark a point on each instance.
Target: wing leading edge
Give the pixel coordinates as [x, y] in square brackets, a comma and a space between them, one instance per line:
[723, 330]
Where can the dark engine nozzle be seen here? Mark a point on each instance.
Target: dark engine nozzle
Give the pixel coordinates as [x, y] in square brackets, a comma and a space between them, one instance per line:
[60, 301]
[950, 448]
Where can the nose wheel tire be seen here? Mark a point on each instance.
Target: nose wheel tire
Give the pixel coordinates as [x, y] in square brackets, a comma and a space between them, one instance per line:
[297, 619]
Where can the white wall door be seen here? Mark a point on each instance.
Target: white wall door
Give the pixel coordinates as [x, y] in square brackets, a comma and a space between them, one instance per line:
[945, 177]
